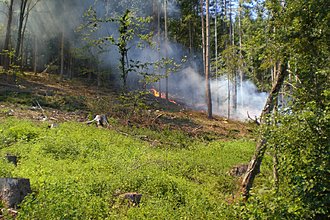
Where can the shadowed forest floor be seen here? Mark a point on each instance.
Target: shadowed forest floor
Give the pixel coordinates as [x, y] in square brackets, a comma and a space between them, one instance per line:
[45, 97]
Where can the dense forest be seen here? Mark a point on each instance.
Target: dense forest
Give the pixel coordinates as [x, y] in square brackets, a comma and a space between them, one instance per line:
[263, 64]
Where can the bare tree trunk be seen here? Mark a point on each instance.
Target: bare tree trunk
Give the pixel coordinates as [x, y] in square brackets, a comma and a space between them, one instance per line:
[158, 38]
[62, 55]
[255, 163]
[240, 68]
[190, 37]
[228, 96]
[20, 30]
[23, 33]
[166, 45]
[234, 72]
[207, 62]
[99, 77]
[216, 52]
[203, 33]
[26, 17]
[234, 91]
[7, 39]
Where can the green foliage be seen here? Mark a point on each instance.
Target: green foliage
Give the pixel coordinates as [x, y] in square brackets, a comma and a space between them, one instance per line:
[304, 160]
[301, 141]
[75, 170]
[129, 25]
[132, 104]
[10, 134]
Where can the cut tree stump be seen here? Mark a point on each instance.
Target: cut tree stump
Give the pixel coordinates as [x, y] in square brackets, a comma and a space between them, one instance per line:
[132, 198]
[11, 159]
[13, 191]
[238, 170]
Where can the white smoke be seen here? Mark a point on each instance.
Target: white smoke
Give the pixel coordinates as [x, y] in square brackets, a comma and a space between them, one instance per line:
[189, 87]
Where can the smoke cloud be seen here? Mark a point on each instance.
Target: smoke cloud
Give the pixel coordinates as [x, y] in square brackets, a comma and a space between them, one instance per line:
[50, 18]
[188, 87]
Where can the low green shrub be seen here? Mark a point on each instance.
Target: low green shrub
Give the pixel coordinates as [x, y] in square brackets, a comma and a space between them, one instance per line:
[77, 171]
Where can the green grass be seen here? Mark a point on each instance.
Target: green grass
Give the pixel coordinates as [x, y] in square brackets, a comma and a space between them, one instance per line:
[75, 169]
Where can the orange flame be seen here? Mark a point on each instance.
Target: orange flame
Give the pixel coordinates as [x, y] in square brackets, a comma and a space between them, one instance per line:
[161, 95]
[155, 92]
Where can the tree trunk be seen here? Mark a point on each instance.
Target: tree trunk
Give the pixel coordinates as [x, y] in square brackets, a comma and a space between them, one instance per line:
[190, 37]
[207, 62]
[158, 39]
[62, 55]
[166, 49]
[228, 96]
[232, 42]
[29, 8]
[35, 55]
[20, 30]
[255, 163]
[234, 91]
[203, 33]
[216, 53]
[6, 59]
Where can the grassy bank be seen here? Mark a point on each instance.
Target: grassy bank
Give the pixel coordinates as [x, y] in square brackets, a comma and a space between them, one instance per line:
[76, 169]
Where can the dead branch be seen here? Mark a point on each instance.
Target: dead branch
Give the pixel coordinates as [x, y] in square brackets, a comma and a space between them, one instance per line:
[43, 111]
[101, 120]
[50, 64]
[195, 129]
[255, 120]
[158, 116]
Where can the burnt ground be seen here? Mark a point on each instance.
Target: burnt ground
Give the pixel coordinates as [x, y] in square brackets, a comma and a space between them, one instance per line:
[43, 97]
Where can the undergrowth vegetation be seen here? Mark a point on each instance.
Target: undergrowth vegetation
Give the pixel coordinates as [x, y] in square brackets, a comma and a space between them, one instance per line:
[76, 171]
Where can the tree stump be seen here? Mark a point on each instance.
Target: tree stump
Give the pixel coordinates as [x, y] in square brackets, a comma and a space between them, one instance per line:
[13, 191]
[132, 198]
[11, 159]
[238, 170]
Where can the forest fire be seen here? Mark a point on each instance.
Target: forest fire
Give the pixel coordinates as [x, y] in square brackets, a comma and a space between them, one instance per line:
[160, 95]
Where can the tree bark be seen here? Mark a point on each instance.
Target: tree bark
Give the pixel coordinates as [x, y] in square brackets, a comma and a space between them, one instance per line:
[240, 68]
[6, 59]
[62, 55]
[203, 33]
[158, 39]
[35, 55]
[255, 163]
[20, 30]
[166, 49]
[207, 62]
[216, 52]
[13, 191]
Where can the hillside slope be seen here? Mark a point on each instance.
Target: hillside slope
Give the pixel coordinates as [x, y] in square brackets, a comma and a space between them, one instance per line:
[45, 97]
[176, 158]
